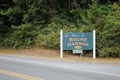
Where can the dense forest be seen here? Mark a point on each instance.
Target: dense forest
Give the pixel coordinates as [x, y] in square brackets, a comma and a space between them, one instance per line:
[37, 23]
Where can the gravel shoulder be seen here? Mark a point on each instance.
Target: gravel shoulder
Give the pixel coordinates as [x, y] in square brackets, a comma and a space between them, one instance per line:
[54, 55]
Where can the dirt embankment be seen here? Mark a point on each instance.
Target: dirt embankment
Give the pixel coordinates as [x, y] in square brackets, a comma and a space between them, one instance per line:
[54, 55]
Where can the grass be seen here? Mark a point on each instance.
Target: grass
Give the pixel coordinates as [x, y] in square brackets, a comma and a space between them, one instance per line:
[54, 55]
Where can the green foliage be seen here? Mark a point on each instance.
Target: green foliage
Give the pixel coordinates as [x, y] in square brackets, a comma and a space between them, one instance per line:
[50, 40]
[110, 34]
[28, 23]
[105, 19]
[22, 36]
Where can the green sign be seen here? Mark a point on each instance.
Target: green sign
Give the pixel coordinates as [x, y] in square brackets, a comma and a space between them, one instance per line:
[77, 41]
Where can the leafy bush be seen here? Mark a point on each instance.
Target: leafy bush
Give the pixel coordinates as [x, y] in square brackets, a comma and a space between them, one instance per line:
[27, 23]
[22, 35]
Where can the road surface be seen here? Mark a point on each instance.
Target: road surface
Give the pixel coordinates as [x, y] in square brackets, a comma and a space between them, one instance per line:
[22, 68]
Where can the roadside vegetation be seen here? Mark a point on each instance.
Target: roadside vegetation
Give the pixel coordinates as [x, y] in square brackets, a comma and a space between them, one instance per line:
[49, 54]
[37, 23]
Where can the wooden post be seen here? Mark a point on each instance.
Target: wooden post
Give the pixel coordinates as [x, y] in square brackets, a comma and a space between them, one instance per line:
[61, 44]
[94, 44]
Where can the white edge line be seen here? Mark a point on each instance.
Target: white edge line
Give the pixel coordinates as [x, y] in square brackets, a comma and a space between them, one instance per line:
[58, 66]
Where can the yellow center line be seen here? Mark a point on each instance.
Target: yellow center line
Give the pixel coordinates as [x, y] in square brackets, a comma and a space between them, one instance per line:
[27, 77]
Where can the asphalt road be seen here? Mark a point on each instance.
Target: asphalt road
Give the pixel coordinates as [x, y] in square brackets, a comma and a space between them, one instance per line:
[22, 68]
